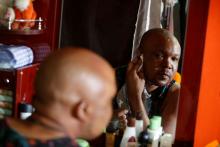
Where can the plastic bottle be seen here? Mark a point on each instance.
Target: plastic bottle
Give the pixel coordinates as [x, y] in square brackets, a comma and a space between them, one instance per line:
[129, 132]
[154, 131]
[139, 124]
[166, 140]
[111, 132]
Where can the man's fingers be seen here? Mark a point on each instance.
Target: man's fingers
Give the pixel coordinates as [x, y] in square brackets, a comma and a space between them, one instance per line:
[123, 117]
[135, 65]
[138, 64]
[123, 120]
[122, 112]
[131, 64]
[141, 74]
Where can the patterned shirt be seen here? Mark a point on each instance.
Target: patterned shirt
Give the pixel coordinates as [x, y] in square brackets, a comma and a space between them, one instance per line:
[11, 138]
[153, 102]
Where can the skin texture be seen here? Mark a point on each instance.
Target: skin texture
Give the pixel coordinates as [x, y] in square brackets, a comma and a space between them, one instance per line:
[156, 66]
[74, 91]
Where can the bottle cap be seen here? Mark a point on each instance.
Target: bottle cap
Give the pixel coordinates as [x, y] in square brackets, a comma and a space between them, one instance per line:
[139, 116]
[159, 118]
[155, 122]
[24, 107]
[131, 122]
[143, 137]
[82, 142]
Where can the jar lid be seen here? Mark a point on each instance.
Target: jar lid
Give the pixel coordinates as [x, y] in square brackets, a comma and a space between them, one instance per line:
[24, 107]
[82, 142]
[155, 122]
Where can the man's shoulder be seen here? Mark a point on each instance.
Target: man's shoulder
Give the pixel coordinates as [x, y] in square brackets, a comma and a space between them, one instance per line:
[175, 88]
[173, 92]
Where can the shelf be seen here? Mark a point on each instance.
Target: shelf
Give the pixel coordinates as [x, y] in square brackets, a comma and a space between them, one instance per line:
[38, 27]
[22, 32]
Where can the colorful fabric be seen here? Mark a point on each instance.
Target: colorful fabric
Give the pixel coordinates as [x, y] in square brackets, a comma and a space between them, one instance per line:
[10, 138]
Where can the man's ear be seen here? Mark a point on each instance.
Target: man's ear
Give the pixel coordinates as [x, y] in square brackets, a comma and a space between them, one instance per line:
[82, 111]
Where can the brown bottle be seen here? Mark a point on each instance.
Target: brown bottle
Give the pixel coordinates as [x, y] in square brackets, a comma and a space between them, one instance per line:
[111, 132]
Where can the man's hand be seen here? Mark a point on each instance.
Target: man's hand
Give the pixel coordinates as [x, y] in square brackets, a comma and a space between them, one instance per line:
[135, 81]
[120, 114]
[135, 86]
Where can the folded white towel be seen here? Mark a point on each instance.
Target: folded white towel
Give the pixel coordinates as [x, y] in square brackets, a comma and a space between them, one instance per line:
[15, 56]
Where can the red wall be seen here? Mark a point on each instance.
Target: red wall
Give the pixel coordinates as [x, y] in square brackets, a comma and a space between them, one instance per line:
[208, 114]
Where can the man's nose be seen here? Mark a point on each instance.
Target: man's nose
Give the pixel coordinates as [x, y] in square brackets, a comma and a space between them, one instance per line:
[167, 63]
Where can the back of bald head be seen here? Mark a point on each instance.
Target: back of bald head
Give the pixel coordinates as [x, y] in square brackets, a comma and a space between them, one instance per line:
[157, 36]
[68, 70]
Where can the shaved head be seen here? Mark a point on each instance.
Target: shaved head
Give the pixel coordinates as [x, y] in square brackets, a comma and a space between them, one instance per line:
[158, 36]
[75, 84]
[161, 52]
[68, 68]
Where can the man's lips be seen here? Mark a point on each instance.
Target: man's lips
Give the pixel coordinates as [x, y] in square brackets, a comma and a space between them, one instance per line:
[165, 74]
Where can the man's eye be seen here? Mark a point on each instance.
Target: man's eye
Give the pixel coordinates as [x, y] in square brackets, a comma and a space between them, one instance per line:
[175, 58]
[159, 56]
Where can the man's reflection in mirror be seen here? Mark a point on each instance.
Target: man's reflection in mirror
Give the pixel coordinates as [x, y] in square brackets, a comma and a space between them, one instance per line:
[149, 86]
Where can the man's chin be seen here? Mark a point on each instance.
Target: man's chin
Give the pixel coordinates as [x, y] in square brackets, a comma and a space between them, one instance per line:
[162, 83]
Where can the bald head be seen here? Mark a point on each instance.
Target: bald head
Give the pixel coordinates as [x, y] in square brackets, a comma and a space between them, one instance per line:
[161, 52]
[159, 36]
[70, 69]
[73, 87]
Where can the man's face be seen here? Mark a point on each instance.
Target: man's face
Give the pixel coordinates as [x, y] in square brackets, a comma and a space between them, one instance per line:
[160, 61]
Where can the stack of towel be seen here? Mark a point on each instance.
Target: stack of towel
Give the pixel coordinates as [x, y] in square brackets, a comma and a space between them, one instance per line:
[15, 56]
[6, 103]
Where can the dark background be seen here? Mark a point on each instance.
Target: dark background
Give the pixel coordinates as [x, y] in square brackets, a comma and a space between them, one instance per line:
[105, 26]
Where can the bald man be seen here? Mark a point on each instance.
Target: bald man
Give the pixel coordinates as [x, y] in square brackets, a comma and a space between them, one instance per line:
[74, 90]
[150, 88]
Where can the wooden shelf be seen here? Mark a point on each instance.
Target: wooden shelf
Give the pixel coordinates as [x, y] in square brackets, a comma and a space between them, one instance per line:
[22, 32]
[42, 38]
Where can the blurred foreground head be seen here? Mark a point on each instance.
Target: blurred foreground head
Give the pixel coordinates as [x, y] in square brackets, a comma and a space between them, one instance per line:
[74, 88]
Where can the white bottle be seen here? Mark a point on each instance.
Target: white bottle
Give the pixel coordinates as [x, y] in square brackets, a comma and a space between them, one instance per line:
[139, 124]
[129, 132]
[166, 140]
[154, 131]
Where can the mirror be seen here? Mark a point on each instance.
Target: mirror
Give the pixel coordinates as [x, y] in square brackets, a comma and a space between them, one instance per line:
[108, 27]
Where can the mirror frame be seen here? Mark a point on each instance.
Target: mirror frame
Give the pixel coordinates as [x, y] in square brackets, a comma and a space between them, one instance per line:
[191, 73]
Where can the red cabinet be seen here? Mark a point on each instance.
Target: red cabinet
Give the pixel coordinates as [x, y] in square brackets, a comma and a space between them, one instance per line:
[20, 81]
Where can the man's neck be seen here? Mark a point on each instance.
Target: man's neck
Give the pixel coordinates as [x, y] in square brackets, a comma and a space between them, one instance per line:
[150, 87]
[37, 127]
[46, 122]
